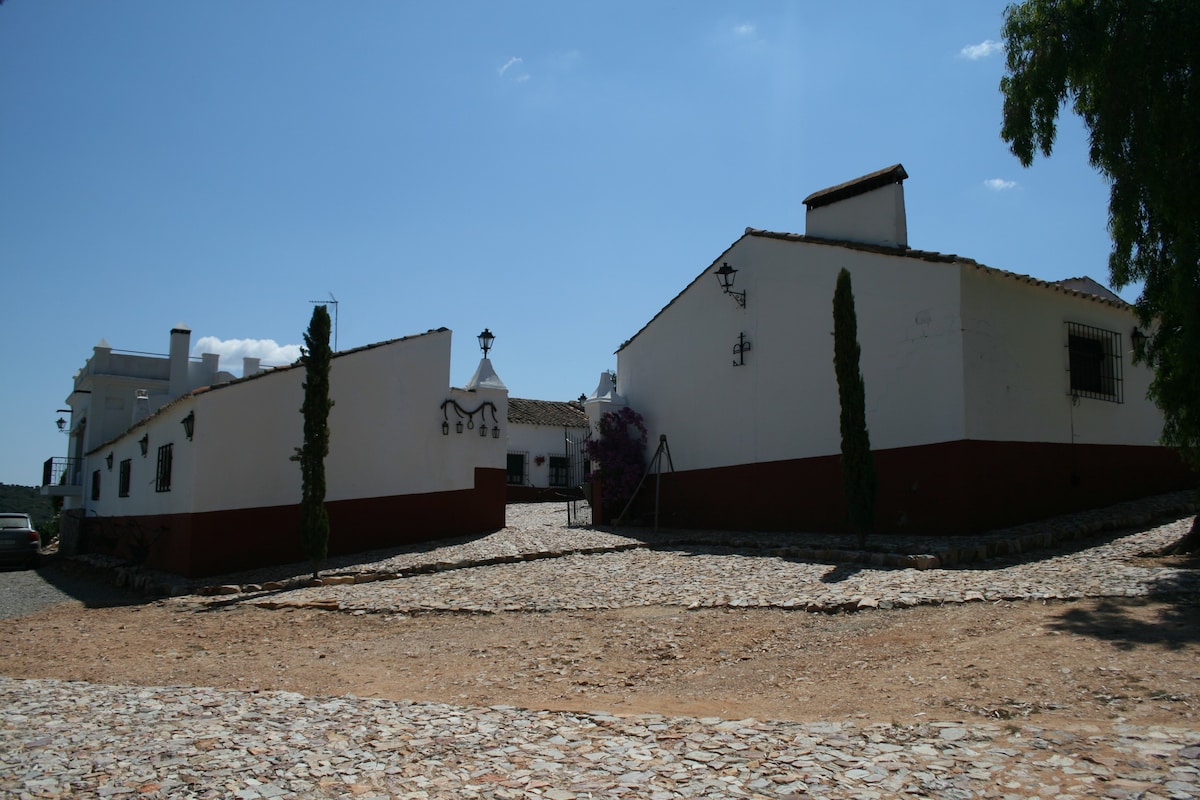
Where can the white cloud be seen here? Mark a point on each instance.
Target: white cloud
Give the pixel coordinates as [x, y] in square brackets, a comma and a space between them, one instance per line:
[513, 65]
[745, 29]
[232, 351]
[510, 63]
[974, 52]
[999, 184]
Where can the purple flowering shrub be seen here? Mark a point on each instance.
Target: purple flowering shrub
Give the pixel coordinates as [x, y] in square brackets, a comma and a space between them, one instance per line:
[619, 455]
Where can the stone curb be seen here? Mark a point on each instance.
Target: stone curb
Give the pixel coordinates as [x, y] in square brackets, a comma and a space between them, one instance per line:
[421, 569]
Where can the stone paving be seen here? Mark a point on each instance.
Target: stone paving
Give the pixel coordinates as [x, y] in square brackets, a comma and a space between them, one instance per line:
[63, 739]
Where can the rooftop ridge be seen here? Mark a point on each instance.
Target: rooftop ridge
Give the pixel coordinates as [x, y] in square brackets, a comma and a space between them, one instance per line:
[861, 185]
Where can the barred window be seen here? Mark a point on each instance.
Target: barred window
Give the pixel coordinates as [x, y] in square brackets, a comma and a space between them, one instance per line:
[1094, 363]
[516, 469]
[559, 468]
[126, 471]
[162, 475]
[96, 484]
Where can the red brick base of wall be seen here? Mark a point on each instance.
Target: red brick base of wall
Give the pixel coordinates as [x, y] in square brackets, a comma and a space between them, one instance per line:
[953, 487]
[213, 542]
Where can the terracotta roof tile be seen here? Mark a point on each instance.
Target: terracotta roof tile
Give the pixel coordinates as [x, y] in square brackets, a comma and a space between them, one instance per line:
[1078, 287]
[546, 412]
[1105, 297]
[874, 180]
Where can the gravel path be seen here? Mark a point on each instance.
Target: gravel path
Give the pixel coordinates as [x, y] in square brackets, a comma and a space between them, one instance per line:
[26, 591]
[61, 739]
[82, 740]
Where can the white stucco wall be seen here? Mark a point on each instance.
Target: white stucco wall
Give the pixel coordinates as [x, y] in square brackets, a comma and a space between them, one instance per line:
[1016, 367]
[385, 435]
[539, 440]
[783, 403]
[163, 428]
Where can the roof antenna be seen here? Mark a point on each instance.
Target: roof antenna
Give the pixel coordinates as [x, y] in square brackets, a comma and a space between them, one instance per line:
[332, 301]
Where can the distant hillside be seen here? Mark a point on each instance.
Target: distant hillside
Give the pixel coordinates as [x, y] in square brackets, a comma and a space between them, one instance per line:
[29, 500]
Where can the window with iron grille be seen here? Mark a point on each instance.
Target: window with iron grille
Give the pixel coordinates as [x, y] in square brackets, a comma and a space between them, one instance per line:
[559, 469]
[96, 485]
[162, 475]
[1094, 363]
[516, 468]
[126, 471]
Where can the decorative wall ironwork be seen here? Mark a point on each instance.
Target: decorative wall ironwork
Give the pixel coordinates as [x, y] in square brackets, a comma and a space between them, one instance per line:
[740, 349]
[469, 417]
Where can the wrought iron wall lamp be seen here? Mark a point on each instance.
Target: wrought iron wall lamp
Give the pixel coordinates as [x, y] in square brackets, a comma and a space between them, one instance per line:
[189, 424]
[144, 443]
[108, 459]
[469, 416]
[726, 275]
[1138, 339]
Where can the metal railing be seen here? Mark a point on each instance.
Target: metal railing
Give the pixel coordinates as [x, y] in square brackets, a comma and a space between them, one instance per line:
[62, 472]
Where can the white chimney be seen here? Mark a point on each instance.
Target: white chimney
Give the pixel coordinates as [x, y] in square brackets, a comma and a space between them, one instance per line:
[212, 363]
[141, 405]
[181, 345]
[249, 366]
[866, 210]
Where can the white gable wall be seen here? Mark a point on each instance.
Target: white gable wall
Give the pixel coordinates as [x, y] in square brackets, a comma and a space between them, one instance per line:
[385, 430]
[783, 403]
[1016, 367]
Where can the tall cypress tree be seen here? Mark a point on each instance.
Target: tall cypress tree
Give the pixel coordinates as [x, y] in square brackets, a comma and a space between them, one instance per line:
[858, 465]
[314, 519]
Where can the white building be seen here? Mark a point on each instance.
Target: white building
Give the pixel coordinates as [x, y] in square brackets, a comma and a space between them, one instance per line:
[204, 482]
[992, 397]
[545, 449]
[117, 388]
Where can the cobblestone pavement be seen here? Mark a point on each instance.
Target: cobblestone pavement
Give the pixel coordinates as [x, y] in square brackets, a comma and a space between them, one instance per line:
[62, 739]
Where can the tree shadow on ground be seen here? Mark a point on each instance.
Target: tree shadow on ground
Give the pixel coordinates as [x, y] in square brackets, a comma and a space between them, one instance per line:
[845, 571]
[1174, 625]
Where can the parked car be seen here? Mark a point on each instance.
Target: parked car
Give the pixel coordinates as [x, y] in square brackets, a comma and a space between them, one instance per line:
[19, 542]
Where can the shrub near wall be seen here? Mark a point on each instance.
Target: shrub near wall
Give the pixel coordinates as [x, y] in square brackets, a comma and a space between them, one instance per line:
[620, 458]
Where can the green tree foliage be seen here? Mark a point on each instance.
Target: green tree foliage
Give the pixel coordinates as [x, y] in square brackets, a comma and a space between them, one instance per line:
[314, 518]
[858, 465]
[1129, 69]
[29, 500]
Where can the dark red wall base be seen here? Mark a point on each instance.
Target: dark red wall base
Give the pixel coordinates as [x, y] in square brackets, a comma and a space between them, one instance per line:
[954, 487]
[213, 542]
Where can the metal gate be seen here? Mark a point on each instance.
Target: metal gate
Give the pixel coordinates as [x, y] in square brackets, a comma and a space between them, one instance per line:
[579, 474]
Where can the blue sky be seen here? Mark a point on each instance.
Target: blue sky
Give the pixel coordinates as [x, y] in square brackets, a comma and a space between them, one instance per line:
[553, 171]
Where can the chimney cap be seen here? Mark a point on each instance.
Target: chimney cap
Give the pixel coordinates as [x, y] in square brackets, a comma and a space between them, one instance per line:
[862, 185]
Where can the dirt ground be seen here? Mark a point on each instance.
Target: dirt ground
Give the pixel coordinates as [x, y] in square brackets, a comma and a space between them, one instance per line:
[1068, 663]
